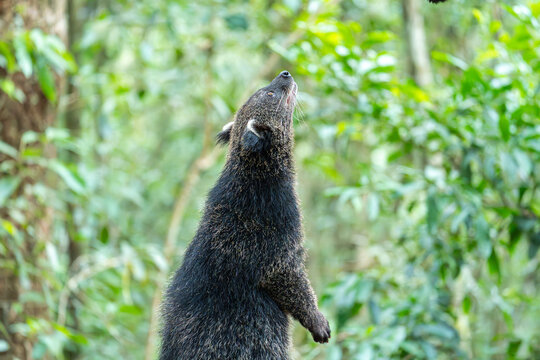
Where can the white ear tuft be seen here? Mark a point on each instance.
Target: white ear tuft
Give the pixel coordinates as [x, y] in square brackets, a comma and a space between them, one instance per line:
[225, 134]
[250, 128]
[227, 126]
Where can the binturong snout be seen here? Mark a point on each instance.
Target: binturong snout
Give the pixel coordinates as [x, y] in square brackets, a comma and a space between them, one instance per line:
[283, 80]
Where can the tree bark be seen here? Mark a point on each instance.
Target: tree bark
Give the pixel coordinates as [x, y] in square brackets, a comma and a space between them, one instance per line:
[34, 113]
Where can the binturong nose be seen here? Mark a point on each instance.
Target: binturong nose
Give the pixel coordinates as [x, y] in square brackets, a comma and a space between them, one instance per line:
[285, 74]
[284, 79]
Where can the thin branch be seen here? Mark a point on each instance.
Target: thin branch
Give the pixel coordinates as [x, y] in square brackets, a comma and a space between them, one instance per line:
[73, 283]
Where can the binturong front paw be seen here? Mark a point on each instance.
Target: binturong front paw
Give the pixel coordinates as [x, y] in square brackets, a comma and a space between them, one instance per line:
[320, 330]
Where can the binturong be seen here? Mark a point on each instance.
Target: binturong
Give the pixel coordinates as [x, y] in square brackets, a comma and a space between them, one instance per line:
[243, 274]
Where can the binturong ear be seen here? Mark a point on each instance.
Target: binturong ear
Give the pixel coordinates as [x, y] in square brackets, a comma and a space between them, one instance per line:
[256, 138]
[224, 135]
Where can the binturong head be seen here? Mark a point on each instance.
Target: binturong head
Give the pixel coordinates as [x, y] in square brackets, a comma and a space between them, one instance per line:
[264, 122]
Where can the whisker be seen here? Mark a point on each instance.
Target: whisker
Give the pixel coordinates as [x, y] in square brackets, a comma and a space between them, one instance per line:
[300, 116]
[278, 107]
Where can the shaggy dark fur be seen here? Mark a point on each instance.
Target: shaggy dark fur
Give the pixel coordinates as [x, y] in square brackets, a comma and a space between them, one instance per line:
[436, 1]
[243, 273]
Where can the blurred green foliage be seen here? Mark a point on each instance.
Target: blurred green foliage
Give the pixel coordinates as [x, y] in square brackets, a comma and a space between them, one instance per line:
[32, 52]
[421, 206]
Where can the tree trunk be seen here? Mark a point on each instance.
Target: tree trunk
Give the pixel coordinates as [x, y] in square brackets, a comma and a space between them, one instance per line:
[417, 52]
[34, 113]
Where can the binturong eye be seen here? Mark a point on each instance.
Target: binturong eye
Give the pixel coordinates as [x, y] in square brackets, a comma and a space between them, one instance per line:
[270, 93]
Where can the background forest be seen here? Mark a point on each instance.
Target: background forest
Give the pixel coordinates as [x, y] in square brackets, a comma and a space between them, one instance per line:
[417, 148]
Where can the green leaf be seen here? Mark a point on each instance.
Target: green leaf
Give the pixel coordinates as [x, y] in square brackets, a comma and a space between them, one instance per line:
[39, 350]
[334, 353]
[53, 50]
[374, 311]
[8, 86]
[29, 137]
[508, 165]
[130, 309]
[158, 259]
[46, 81]
[79, 339]
[24, 59]
[494, 265]
[451, 59]
[70, 334]
[237, 22]
[440, 330]
[5, 51]
[70, 62]
[4, 346]
[478, 15]
[9, 227]
[512, 349]
[429, 350]
[56, 134]
[412, 348]
[373, 206]
[7, 187]
[515, 235]
[32, 153]
[104, 235]
[466, 304]
[524, 164]
[504, 127]
[482, 237]
[432, 215]
[71, 181]
[8, 149]
[459, 219]
[534, 244]
[379, 37]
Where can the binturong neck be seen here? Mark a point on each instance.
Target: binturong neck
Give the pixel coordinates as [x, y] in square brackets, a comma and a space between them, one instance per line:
[274, 164]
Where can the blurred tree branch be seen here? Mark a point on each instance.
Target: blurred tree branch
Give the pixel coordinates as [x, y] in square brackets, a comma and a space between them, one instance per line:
[417, 51]
[73, 283]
